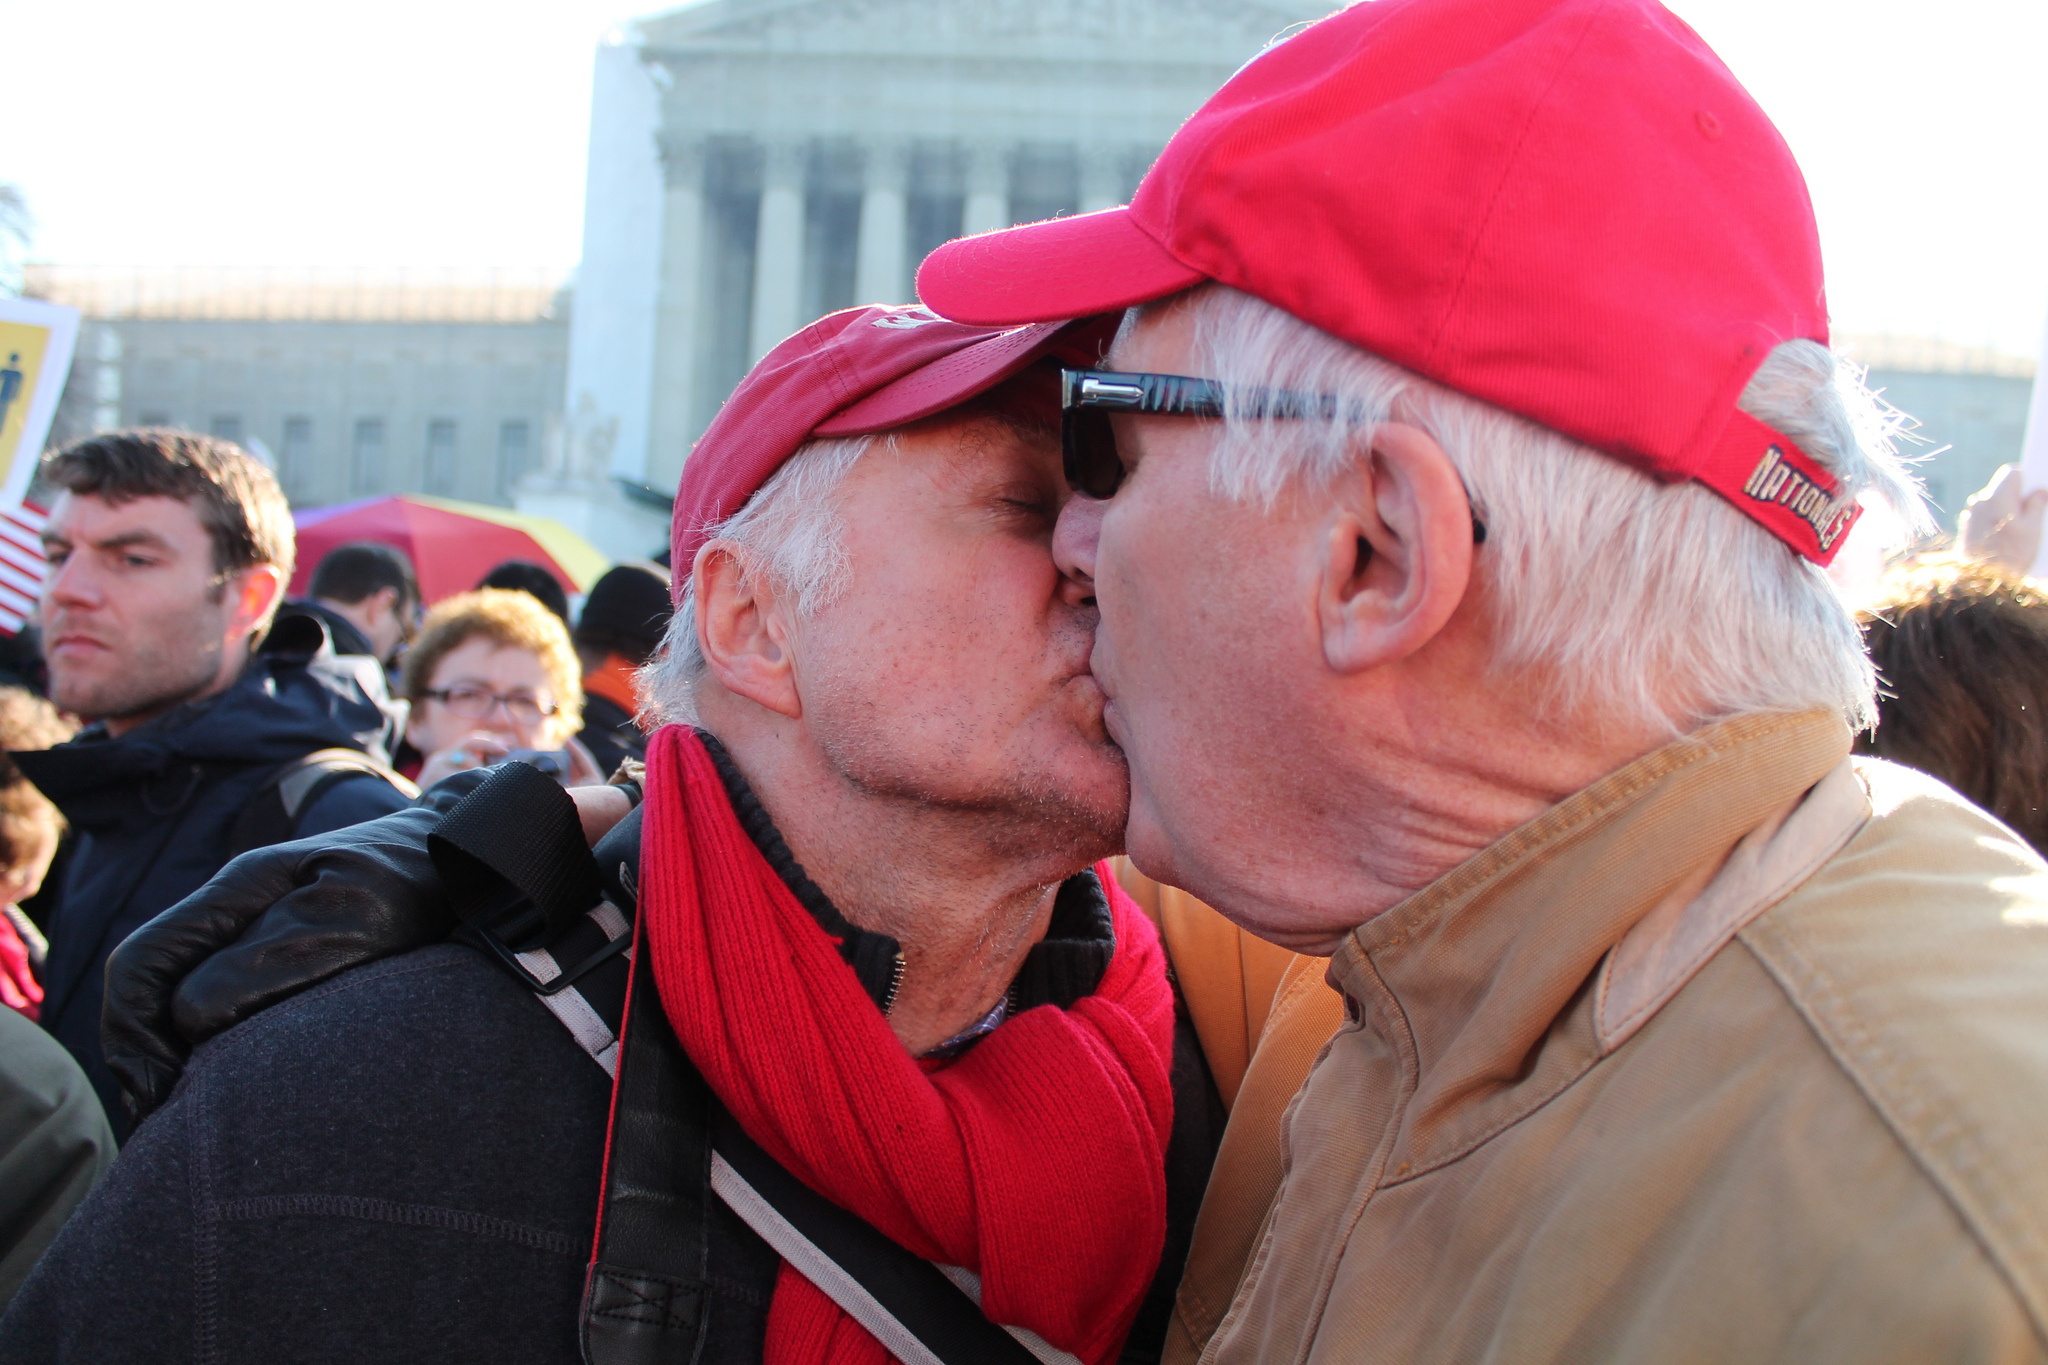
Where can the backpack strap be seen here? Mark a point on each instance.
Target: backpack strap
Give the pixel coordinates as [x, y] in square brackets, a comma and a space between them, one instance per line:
[513, 857]
[271, 816]
[647, 1299]
[670, 1144]
[528, 892]
[592, 1022]
[923, 1313]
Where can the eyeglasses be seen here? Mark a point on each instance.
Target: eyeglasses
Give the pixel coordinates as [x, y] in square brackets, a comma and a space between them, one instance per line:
[474, 703]
[1088, 397]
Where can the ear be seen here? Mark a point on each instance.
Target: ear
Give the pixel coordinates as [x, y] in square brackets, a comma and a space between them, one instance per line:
[1396, 553]
[743, 629]
[256, 591]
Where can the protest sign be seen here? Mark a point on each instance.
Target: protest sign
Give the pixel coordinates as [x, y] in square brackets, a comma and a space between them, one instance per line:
[35, 357]
[36, 341]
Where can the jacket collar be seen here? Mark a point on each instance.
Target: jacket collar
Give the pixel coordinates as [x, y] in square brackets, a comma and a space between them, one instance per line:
[282, 706]
[1473, 979]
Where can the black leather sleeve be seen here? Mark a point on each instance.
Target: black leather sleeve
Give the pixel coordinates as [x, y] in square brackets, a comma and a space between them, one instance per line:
[270, 924]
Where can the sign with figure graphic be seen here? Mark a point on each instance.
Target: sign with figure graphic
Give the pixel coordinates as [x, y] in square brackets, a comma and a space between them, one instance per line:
[36, 340]
[35, 356]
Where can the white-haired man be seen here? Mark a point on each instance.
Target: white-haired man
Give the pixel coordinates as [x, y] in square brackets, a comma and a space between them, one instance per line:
[873, 972]
[1672, 1033]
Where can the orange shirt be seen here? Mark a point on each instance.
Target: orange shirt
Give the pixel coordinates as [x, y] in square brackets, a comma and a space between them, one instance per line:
[613, 680]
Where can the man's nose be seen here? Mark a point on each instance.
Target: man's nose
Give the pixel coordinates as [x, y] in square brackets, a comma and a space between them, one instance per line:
[70, 584]
[1074, 539]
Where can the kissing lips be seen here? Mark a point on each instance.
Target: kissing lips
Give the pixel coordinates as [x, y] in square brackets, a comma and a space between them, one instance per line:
[1111, 722]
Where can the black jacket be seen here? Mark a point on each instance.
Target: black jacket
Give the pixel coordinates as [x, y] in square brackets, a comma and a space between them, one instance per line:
[152, 813]
[405, 1163]
[610, 733]
[346, 636]
[54, 1143]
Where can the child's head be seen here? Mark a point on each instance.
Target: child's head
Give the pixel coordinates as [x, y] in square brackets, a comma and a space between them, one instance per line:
[29, 825]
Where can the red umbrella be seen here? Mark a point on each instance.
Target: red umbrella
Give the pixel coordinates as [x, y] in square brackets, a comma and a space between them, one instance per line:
[451, 544]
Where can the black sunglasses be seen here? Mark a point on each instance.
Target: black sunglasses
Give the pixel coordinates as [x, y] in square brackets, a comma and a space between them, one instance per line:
[1088, 397]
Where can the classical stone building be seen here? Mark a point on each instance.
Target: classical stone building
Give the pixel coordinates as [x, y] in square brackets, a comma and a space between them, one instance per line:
[753, 165]
[757, 163]
[352, 383]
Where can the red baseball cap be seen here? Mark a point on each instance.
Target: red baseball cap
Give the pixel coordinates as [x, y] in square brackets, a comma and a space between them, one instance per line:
[851, 373]
[1567, 208]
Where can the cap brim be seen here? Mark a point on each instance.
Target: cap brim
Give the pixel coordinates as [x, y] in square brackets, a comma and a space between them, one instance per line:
[1062, 268]
[948, 381]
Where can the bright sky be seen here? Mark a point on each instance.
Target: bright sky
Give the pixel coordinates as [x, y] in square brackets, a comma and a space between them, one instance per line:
[451, 132]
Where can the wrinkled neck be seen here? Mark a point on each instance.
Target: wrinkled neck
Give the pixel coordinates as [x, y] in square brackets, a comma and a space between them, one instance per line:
[963, 908]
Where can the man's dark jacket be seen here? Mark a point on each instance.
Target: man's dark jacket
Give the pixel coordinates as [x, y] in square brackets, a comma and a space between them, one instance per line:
[610, 733]
[346, 636]
[404, 1163]
[153, 812]
[54, 1143]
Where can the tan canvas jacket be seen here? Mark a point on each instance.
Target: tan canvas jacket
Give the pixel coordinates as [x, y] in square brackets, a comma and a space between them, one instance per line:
[1740, 1054]
[1262, 1014]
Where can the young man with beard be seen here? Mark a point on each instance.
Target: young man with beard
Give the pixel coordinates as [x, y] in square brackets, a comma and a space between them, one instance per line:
[865, 914]
[168, 555]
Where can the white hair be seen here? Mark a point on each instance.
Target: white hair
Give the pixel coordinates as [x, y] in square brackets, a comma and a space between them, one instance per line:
[1611, 592]
[790, 531]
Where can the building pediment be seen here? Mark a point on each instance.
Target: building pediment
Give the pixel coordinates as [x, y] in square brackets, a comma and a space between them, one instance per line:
[1122, 31]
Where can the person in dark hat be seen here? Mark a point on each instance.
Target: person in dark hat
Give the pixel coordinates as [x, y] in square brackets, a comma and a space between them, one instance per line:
[618, 632]
[523, 575]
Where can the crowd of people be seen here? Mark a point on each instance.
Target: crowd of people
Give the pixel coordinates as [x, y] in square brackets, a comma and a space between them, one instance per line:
[1274, 774]
[223, 717]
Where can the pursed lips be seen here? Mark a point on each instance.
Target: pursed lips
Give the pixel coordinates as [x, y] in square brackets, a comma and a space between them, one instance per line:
[71, 642]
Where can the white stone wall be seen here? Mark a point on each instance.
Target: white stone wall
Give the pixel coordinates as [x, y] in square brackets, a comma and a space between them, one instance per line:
[611, 351]
[302, 389]
[812, 151]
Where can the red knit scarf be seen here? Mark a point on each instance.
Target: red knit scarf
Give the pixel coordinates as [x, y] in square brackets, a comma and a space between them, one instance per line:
[1035, 1160]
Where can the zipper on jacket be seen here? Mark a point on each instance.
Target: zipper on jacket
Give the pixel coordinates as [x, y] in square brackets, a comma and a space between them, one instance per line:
[895, 980]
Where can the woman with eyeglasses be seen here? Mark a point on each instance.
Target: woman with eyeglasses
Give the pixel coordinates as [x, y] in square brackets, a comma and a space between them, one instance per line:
[493, 674]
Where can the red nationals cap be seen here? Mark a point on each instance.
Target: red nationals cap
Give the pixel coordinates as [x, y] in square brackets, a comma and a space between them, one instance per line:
[851, 373]
[1567, 208]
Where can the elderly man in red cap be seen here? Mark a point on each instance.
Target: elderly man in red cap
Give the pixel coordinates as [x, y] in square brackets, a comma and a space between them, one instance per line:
[860, 1052]
[1473, 427]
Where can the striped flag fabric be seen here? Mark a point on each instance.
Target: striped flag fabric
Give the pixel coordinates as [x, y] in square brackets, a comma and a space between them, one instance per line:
[22, 565]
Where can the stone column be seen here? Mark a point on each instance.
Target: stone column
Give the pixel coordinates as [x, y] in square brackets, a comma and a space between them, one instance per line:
[988, 189]
[1102, 177]
[106, 385]
[778, 248]
[884, 226]
[678, 314]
